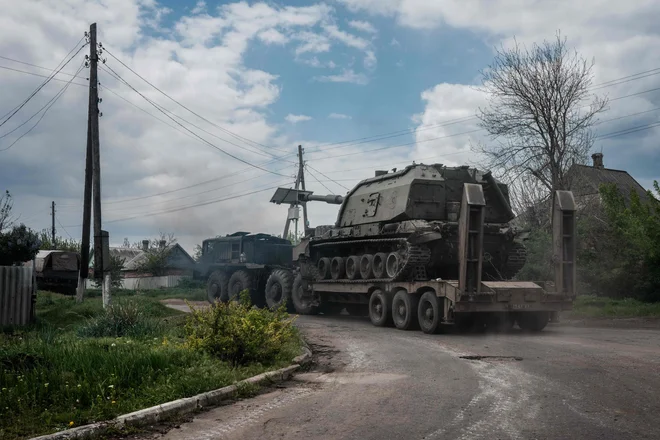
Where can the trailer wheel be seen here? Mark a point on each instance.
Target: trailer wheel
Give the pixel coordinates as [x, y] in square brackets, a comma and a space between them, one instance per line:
[216, 287]
[239, 281]
[366, 266]
[380, 308]
[300, 303]
[337, 268]
[404, 310]
[278, 288]
[323, 267]
[429, 313]
[352, 267]
[533, 321]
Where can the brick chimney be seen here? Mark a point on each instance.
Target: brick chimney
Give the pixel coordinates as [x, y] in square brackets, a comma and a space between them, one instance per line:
[145, 245]
[598, 160]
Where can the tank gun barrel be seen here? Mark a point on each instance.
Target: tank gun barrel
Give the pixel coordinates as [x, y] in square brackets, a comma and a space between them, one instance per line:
[332, 199]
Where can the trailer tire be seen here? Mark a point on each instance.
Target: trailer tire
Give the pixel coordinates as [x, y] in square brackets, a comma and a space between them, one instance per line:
[533, 321]
[239, 281]
[404, 310]
[216, 287]
[380, 308]
[298, 298]
[429, 313]
[278, 289]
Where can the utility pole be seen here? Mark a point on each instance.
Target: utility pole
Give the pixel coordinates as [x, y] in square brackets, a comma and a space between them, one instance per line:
[301, 170]
[295, 205]
[52, 229]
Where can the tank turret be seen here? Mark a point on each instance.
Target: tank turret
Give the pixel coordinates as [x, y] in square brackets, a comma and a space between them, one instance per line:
[403, 226]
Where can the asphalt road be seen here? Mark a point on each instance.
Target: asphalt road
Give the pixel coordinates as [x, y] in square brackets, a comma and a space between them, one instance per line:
[382, 383]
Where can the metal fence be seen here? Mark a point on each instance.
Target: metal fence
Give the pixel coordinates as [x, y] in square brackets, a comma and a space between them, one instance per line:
[17, 290]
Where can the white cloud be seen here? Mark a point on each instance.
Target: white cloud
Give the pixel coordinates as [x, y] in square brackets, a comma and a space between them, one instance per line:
[312, 42]
[363, 26]
[273, 36]
[294, 119]
[348, 39]
[315, 62]
[347, 76]
[199, 7]
[370, 60]
[338, 116]
[395, 42]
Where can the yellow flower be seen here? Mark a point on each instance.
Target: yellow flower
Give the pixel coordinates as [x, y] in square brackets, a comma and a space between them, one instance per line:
[71, 423]
[113, 402]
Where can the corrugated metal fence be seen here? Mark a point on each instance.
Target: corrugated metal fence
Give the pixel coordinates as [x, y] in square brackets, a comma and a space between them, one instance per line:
[16, 295]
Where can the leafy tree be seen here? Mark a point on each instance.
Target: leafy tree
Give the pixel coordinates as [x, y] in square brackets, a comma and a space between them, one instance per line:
[60, 244]
[6, 203]
[155, 259]
[539, 114]
[18, 245]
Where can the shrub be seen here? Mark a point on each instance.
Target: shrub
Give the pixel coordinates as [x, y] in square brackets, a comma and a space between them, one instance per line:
[189, 283]
[239, 333]
[121, 318]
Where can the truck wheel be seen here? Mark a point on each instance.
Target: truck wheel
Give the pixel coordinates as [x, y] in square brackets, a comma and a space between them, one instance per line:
[216, 287]
[429, 313]
[299, 300]
[404, 310]
[278, 288]
[239, 281]
[378, 265]
[380, 309]
[533, 321]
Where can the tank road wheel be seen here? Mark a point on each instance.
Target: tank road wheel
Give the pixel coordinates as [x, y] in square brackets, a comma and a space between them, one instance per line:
[380, 307]
[378, 265]
[392, 264]
[429, 313]
[353, 267]
[337, 268]
[404, 310]
[216, 287]
[366, 266]
[278, 289]
[533, 321]
[323, 267]
[299, 300]
[239, 281]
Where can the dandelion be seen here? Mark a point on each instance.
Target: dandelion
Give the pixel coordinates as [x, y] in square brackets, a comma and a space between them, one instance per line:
[71, 423]
[113, 402]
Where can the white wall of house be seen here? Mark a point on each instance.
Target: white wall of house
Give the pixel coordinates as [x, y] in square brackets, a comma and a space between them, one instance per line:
[146, 283]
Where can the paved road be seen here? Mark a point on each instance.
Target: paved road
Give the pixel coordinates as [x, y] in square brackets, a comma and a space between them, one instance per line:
[375, 383]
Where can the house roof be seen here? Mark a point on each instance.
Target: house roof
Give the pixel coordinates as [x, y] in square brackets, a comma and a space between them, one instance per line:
[134, 256]
[586, 180]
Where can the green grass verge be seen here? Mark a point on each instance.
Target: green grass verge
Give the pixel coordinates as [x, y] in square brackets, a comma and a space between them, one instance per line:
[586, 306]
[53, 375]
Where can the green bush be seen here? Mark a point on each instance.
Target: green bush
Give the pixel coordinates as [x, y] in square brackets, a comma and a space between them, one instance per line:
[239, 333]
[189, 283]
[121, 318]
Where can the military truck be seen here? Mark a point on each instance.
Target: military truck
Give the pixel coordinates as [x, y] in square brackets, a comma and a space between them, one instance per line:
[57, 271]
[259, 263]
[430, 245]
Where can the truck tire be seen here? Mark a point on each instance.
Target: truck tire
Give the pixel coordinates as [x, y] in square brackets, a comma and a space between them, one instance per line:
[533, 321]
[302, 306]
[404, 310]
[239, 281]
[278, 288]
[216, 287]
[429, 313]
[380, 308]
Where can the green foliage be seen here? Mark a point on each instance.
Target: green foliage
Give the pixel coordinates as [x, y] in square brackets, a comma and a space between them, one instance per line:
[591, 306]
[60, 244]
[189, 283]
[121, 318]
[51, 378]
[18, 245]
[538, 266]
[155, 260]
[239, 333]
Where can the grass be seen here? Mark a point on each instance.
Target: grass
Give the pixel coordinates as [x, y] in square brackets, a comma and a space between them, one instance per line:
[67, 371]
[587, 306]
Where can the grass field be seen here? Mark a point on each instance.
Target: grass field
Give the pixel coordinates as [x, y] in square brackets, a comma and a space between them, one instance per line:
[79, 364]
[598, 307]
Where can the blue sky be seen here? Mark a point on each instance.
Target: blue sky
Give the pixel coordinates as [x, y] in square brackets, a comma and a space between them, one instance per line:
[261, 70]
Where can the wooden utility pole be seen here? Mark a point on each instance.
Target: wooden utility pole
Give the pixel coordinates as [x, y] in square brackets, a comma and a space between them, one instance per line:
[52, 229]
[293, 205]
[301, 171]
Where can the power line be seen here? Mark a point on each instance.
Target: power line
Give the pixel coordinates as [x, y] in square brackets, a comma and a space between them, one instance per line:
[191, 111]
[45, 82]
[47, 107]
[193, 133]
[324, 186]
[41, 67]
[309, 166]
[67, 232]
[42, 76]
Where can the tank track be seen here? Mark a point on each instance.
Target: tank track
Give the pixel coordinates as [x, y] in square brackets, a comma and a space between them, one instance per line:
[414, 262]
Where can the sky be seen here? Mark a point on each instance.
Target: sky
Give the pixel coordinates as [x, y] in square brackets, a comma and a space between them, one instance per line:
[227, 91]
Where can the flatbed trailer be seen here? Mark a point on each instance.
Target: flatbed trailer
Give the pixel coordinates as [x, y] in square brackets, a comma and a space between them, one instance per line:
[469, 301]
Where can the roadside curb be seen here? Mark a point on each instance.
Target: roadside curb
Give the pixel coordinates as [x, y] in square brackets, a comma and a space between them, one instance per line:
[182, 406]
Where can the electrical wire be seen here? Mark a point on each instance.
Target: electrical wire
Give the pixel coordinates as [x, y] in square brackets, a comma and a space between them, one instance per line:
[40, 67]
[323, 184]
[42, 76]
[67, 232]
[309, 166]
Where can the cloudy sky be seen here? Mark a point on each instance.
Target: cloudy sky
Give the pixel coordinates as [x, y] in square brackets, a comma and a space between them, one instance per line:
[260, 78]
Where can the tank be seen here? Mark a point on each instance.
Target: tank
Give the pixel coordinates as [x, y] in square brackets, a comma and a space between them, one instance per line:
[403, 226]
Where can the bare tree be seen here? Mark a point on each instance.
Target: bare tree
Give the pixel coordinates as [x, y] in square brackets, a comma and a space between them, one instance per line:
[539, 112]
[6, 219]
